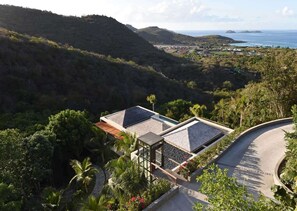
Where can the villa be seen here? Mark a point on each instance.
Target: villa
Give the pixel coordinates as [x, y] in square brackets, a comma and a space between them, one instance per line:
[163, 142]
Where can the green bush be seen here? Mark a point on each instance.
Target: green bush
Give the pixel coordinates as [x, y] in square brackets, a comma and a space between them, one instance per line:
[155, 190]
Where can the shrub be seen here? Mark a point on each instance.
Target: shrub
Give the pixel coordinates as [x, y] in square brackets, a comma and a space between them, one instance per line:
[155, 190]
[135, 203]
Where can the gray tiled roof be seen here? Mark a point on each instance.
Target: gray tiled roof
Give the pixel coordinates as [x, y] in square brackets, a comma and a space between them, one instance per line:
[150, 125]
[130, 116]
[192, 136]
[150, 138]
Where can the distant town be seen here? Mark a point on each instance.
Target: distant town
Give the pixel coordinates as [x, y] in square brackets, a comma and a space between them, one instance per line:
[208, 51]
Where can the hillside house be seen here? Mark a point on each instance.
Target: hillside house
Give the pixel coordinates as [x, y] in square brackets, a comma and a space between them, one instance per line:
[161, 140]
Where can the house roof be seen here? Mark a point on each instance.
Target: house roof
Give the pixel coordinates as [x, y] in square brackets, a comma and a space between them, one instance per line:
[152, 125]
[150, 138]
[192, 135]
[130, 116]
[109, 129]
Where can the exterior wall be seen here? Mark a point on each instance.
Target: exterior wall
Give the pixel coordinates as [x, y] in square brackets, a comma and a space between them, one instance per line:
[171, 152]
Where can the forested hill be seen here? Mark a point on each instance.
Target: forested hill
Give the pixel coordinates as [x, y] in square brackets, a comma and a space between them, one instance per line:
[106, 36]
[94, 33]
[38, 74]
[158, 36]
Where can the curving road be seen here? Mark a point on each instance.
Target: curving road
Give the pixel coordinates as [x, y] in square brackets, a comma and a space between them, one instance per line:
[253, 158]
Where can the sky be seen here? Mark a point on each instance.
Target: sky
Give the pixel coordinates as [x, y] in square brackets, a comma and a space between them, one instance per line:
[180, 14]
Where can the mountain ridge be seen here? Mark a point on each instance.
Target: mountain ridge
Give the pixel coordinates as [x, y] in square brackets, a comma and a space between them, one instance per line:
[159, 36]
[100, 34]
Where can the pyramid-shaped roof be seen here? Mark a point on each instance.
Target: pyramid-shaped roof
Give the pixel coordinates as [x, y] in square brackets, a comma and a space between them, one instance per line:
[130, 116]
[192, 136]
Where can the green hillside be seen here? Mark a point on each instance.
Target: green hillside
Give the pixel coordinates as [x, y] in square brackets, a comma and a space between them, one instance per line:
[66, 64]
[158, 36]
[106, 36]
[94, 33]
[38, 74]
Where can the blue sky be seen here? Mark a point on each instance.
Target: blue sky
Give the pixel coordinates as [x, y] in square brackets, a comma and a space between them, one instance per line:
[180, 14]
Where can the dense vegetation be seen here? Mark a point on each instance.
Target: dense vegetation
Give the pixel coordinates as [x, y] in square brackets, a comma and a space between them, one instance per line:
[158, 36]
[94, 33]
[271, 98]
[31, 163]
[106, 36]
[225, 193]
[39, 77]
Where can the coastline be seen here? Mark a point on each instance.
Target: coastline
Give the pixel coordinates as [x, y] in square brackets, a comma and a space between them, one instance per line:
[267, 38]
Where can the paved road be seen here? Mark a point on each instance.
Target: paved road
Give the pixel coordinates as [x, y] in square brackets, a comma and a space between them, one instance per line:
[100, 181]
[252, 159]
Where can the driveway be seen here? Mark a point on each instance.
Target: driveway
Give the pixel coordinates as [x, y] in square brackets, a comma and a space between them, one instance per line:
[253, 158]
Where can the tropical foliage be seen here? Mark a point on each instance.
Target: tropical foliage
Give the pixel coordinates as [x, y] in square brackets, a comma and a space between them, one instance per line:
[126, 144]
[269, 99]
[152, 100]
[225, 193]
[84, 173]
[10, 199]
[30, 163]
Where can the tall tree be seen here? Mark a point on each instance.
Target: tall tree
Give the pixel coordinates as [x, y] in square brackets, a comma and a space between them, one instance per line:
[72, 130]
[84, 172]
[127, 144]
[152, 99]
[37, 161]
[198, 110]
[11, 154]
[279, 73]
[177, 109]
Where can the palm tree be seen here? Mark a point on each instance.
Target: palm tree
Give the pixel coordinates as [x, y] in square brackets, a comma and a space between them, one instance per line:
[198, 110]
[220, 110]
[118, 166]
[99, 145]
[152, 100]
[127, 144]
[97, 204]
[51, 199]
[126, 178]
[84, 172]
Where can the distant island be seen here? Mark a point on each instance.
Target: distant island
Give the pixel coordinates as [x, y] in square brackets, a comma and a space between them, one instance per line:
[247, 31]
[230, 31]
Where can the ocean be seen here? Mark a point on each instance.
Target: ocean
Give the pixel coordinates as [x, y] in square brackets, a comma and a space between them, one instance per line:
[271, 38]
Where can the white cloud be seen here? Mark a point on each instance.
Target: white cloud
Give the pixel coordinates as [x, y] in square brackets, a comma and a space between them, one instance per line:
[198, 9]
[172, 11]
[286, 12]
